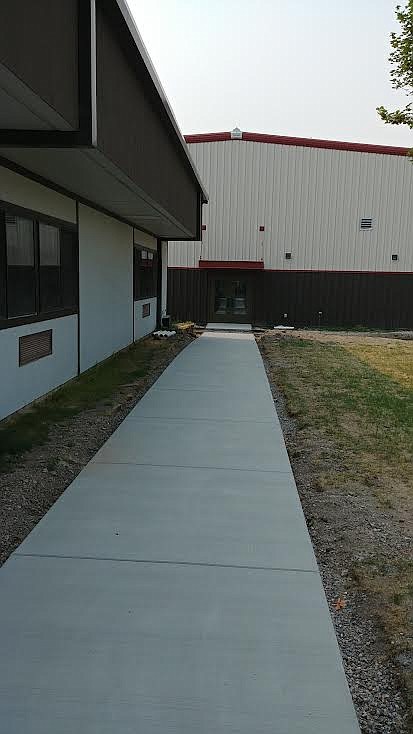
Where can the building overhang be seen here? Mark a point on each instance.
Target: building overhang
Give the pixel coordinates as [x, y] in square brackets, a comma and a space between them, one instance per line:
[87, 175]
[41, 141]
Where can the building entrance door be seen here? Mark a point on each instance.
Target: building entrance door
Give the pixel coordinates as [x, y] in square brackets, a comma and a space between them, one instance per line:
[230, 299]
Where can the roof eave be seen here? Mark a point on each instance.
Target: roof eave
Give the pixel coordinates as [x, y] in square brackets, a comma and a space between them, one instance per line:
[142, 50]
[298, 142]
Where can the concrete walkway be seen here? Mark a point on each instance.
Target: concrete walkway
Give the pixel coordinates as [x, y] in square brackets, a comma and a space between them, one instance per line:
[216, 326]
[173, 587]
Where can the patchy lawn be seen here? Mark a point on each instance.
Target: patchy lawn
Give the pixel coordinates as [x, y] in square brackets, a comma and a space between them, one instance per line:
[351, 447]
[44, 447]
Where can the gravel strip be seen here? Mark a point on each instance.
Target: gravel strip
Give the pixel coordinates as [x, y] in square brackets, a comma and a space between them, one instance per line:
[338, 524]
[40, 476]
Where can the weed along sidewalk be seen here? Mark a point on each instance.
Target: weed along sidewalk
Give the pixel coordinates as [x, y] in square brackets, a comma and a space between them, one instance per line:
[346, 407]
[173, 586]
[44, 447]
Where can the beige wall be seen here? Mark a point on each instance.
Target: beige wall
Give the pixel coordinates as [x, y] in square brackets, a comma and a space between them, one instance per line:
[309, 200]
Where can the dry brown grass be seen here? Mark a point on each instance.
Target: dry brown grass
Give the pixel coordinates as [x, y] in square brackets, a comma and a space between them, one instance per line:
[352, 399]
[394, 360]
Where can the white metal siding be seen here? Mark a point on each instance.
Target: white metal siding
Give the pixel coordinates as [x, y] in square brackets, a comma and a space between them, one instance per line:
[310, 201]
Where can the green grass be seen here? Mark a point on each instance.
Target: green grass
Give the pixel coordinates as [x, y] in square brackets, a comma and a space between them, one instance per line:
[353, 405]
[98, 386]
[347, 398]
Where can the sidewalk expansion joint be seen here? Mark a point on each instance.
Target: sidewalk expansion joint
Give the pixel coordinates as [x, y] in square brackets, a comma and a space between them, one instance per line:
[268, 421]
[189, 466]
[149, 561]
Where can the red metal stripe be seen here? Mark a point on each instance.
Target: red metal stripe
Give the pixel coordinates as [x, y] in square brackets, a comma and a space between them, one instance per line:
[207, 137]
[236, 266]
[232, 264]
[299, 142]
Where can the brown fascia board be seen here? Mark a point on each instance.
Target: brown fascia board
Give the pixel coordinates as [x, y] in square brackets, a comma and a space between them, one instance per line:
[142, 50]
[84, 136]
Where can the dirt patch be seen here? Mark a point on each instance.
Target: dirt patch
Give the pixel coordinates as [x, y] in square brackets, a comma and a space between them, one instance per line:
[36, 479]
[360, 519]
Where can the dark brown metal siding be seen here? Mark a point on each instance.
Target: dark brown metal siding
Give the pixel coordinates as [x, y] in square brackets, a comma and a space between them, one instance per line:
[188, 295]
[132, 129]
[345, 299]
[38, 43]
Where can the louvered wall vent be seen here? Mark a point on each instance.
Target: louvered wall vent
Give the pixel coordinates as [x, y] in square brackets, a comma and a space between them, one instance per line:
[366, 223]
[35, 346]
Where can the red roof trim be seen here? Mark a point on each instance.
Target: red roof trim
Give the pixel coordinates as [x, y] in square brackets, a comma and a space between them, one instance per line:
[232, 264]
[299, 142]
[237, 265]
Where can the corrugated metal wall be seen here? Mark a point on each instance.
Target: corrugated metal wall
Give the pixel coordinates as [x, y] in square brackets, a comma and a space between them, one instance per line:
[308, 298]
[309, 200]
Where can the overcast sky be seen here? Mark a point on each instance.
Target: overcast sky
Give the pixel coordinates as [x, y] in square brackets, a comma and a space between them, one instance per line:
[311, 68]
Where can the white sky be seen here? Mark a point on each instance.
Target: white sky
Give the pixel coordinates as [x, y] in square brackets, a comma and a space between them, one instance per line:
[311, 68]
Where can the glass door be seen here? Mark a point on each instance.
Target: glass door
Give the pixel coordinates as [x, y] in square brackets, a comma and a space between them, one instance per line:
[230, 299]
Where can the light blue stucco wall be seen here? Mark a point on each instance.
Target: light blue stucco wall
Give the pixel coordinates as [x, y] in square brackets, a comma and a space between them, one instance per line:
[19, 386]
[144, 325]
[105, 286]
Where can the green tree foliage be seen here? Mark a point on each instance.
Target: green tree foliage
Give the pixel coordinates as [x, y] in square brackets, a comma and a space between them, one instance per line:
[401, 59]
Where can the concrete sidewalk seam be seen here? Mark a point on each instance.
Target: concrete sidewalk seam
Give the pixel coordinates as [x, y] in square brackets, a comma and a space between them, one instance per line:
[287, 472]
[149, 561]
[210, 420]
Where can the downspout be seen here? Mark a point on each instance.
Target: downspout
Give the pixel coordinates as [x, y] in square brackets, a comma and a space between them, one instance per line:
[159, 285]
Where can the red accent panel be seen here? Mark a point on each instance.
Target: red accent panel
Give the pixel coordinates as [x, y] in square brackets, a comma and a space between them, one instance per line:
[342, 272]
[208, 137]
[232, 264]
[238, 265]
[299, 142]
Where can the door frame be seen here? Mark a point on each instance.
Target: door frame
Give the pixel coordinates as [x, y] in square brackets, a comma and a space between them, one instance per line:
[228, 274]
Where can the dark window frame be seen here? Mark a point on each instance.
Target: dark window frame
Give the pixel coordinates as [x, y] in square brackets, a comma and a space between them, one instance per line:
[7, 322]
[145, 276]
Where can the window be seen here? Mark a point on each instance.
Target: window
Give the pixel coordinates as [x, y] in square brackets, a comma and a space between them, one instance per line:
[394, 258]
[21, 273]
[38, 267]
[145, 269]
[49, 268]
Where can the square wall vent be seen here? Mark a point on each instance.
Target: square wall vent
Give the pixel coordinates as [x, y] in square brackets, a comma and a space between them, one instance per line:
[366, 223]
[35, 346]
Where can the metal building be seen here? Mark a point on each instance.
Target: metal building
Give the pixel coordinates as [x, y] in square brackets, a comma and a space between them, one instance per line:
[298, 230]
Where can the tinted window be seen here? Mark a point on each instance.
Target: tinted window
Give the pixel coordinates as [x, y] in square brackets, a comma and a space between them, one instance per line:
[21, 273]
[145, 273]
[38, 267]
[69, 268]
[49, 271]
